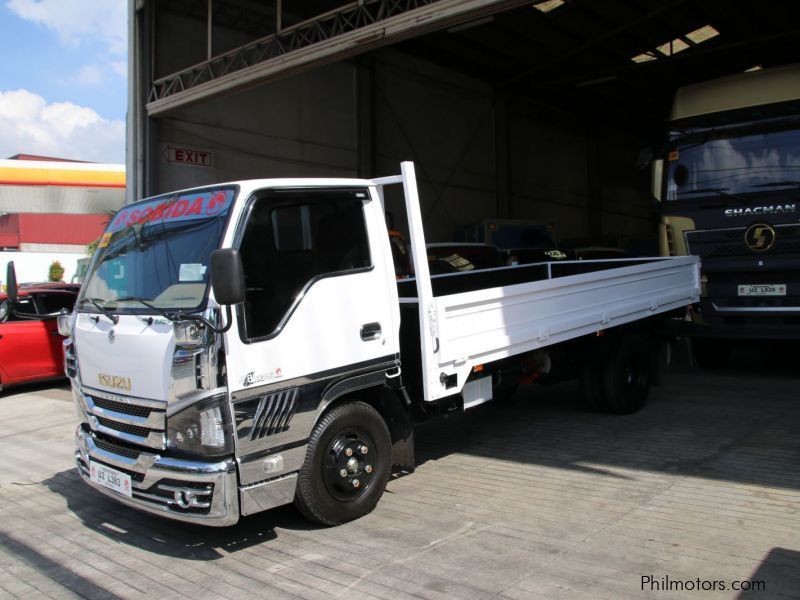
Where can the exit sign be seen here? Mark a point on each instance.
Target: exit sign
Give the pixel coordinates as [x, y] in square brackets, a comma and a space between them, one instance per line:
[183, 155]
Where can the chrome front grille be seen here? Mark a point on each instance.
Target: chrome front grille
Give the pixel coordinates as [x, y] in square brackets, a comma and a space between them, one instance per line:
[722, 243]
[121, 407]
[132, 420]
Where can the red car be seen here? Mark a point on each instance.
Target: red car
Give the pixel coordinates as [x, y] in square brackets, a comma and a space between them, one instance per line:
[30, 346]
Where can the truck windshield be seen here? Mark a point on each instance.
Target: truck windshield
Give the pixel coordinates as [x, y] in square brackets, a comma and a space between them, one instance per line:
[158, 250]
[755, 162]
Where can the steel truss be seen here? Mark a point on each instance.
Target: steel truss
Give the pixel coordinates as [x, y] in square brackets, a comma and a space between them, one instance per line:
[319, 29]
[347, 31]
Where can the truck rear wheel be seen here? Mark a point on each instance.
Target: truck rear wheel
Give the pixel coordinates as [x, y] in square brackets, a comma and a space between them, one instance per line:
[347, 465]
[626, 374]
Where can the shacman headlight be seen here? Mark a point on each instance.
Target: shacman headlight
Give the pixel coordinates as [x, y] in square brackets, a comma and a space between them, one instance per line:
[65, 322]
[201, 428]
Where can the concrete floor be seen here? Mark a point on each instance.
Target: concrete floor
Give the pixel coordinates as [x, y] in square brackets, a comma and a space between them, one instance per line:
[529, 499]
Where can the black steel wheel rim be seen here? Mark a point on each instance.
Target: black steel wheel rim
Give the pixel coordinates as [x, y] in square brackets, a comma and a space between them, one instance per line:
[350, 463]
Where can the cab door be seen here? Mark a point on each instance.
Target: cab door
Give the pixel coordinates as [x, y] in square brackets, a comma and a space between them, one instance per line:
[321, 311]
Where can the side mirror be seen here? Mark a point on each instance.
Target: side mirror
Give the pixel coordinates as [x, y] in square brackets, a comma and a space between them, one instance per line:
[11, 283]
[227, 276]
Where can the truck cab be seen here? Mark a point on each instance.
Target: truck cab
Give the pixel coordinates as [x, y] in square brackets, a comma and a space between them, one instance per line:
[728, 190]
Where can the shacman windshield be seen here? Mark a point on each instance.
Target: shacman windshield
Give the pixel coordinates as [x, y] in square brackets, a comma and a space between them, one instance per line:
[158, 250]
[734, 165]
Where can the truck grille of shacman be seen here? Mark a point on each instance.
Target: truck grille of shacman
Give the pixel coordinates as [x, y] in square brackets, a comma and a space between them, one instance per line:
[726, 243]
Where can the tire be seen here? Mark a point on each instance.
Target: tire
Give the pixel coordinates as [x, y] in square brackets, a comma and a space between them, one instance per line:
[711, 354]
[626, 375]
[322, 495]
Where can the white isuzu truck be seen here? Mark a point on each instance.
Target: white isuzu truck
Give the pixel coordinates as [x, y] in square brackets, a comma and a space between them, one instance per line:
[243, 346]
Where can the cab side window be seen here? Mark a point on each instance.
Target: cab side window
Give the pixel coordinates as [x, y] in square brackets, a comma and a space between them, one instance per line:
[52, 303]
[292, 238]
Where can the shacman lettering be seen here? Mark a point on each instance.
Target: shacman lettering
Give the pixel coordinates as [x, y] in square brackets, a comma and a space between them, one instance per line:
[761, 210]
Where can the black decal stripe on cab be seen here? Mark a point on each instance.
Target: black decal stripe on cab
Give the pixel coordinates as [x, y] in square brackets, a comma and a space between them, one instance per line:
[269, 451]
[382, 363]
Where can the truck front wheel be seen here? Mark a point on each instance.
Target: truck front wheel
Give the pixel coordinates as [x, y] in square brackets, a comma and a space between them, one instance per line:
[347, 465]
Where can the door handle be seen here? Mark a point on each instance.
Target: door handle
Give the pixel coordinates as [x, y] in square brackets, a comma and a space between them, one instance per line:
[370, 331]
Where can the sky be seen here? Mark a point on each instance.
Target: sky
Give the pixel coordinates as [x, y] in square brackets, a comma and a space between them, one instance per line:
[63, 78]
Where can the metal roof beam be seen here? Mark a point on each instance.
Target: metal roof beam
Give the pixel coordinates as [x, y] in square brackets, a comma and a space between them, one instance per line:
[342, 33]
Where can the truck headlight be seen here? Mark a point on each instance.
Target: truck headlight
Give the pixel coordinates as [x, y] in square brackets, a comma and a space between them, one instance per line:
[65, 322]
[202, 428]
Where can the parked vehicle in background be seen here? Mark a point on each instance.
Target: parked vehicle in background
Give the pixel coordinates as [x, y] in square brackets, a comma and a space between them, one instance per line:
[446, 257]
[31, 348]
[727, 187]
[80, 270]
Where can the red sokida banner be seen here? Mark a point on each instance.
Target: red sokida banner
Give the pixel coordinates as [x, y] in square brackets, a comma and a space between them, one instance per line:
[188, 207]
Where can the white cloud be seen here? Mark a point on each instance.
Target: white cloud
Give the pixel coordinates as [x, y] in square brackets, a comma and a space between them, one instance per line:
[76, 21]
[29, 125]
[89, 75]
[120, 67]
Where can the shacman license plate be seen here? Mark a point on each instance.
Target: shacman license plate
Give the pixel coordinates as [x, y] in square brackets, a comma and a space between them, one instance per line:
[776, 289]
[110, 478]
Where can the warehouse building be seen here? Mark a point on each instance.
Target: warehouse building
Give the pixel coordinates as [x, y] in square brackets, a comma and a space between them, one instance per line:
[509, 108]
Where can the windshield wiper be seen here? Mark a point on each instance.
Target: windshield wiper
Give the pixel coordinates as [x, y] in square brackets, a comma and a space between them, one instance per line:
[96, 301]
[718, 192]
[179, 316]
[148, 304]
[784, 183]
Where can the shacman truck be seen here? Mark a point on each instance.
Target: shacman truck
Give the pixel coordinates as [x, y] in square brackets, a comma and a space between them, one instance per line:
[729, 191]
[243, 346]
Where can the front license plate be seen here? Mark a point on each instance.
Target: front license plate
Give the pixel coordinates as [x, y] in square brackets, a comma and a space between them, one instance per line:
[776, 289]
[110, 478]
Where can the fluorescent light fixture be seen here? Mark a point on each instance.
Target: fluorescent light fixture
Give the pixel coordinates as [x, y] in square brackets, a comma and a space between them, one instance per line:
[644, 57]
[548, 5]
[679, 44]
[698, 36]
[673, 47]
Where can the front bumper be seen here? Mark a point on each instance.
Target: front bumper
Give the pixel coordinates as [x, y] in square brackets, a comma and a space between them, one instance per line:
[193, 491]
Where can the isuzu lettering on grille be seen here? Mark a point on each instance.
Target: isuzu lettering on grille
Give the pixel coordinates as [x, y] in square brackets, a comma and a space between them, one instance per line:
[114, 381]
[775, 209]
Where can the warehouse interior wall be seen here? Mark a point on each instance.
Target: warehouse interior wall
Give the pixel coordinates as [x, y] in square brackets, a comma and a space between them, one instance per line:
[575, 173]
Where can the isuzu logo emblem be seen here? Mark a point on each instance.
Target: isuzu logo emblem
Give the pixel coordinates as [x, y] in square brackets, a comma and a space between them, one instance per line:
[760, 237]
[111, 335]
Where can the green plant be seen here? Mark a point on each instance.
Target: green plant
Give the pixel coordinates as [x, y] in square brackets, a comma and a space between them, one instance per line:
[56, 272]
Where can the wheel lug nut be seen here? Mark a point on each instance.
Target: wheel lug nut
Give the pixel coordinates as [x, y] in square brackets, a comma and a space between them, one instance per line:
[364, 449]
[368, 468]
[343, 473]
[348, 452]
[356, 483]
